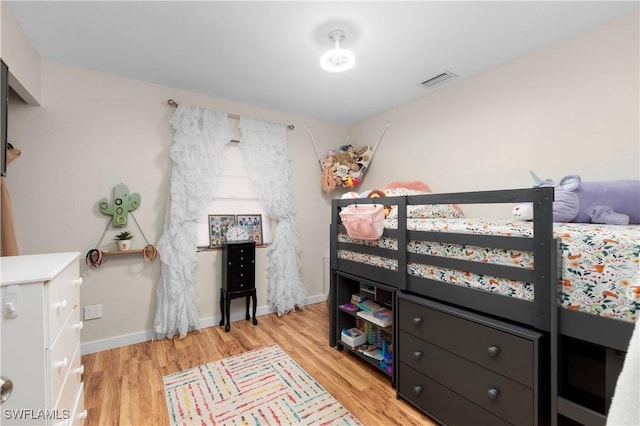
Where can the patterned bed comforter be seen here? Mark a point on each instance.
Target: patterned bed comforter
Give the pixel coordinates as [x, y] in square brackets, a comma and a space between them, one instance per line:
[599, 265]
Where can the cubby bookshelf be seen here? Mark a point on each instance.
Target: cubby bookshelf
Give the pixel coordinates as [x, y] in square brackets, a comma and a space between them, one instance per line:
[345, 316]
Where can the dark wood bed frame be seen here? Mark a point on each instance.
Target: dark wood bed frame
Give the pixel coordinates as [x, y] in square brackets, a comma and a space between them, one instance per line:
[543, 314]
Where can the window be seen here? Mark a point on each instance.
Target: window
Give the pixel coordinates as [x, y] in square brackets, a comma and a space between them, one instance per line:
[235, 196]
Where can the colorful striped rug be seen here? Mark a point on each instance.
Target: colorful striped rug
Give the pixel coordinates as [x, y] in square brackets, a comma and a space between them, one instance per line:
[260, 387]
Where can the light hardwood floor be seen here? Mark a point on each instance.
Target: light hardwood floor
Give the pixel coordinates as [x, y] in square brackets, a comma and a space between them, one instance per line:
[123, 386]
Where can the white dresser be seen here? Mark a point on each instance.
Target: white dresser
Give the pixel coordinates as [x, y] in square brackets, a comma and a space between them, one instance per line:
[40, 302]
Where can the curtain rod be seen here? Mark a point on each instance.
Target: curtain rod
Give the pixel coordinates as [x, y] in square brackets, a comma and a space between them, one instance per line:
[234, 116]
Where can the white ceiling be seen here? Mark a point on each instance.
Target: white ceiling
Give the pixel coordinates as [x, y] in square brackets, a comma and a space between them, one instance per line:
[267, 53]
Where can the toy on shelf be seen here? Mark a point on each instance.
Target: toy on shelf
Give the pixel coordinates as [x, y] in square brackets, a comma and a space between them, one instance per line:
[387, 358]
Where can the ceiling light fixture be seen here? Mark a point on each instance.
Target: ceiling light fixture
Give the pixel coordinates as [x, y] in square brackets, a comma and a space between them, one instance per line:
[337, 59]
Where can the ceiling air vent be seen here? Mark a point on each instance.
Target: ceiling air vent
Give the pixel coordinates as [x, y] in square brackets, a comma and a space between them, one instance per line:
[439, 79]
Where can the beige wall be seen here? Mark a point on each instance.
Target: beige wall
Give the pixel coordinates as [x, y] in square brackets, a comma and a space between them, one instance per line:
[94, 131]
[570, 108]
[20, 56]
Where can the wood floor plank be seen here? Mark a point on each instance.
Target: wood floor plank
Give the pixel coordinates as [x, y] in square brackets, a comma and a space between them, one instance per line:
[124, 385]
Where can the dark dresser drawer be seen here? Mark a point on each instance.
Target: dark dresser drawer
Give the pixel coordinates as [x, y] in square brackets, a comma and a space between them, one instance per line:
[491, 345]
[240, 259]
[238, 266]
[501, 396]
[443, 405]
[240, 281]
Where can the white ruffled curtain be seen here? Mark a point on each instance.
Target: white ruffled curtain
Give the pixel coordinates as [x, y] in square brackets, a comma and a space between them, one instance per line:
[264, 148]
[197, 153]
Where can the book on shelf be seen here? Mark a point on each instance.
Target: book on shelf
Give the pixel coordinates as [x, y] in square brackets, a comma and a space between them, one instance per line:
[349, 307]
[383, 314]
[374, 353]
[382, 322]
[369, 306]
[357, 298]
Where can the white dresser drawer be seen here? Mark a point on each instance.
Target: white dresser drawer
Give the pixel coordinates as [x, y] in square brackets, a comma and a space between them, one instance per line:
[69, 387]
[43, 330]
[63, 295]
[78, 414]
[61, 354]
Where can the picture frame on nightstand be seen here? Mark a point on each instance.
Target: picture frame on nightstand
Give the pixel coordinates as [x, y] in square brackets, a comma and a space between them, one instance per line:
[252, 224]
[218, 225]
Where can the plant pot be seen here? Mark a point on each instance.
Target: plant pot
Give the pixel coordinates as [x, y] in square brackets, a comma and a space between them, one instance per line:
[124, 245]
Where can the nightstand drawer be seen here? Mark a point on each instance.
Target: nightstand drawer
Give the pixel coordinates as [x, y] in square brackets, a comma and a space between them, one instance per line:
[444, 405]
[240, 283]
[238, 267]
[235, 258]
[238, 262]
[501, 396]
[239, 248]
[508, 354]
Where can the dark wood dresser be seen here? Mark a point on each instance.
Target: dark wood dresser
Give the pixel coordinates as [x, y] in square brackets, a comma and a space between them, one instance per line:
[238, 278]
[463, 368]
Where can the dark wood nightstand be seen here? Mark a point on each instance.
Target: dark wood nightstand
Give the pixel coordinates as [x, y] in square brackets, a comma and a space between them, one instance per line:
[238, 278]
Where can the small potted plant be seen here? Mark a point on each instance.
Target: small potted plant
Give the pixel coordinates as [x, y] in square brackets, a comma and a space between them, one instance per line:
[124, 240]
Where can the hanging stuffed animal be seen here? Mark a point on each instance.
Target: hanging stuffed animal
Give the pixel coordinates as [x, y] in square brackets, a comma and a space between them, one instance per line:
[608, 202]
[123, 203]
[344, 167]
[328, 183]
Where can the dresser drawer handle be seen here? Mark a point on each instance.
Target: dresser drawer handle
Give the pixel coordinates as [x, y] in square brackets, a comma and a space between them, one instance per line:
[80, 370]
[78, 282]
[493, 393]
[417, 389]
[418, 354]
[62, 305]
[493, 351]
[62, 364]
[417, 321]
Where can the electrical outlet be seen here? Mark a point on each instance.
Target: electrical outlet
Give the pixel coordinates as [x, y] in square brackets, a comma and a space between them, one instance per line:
[92, 312]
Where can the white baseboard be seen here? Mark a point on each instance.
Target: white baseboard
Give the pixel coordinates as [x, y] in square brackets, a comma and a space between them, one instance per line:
[144, 336]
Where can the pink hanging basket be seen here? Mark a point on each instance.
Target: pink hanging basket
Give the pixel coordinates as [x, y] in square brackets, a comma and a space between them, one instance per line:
[363, 221]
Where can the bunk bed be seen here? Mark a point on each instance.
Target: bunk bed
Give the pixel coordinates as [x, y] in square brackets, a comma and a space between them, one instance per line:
[453, 261]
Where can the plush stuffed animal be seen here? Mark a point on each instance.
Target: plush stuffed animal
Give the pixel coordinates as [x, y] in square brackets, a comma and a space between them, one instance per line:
[374, 193]
[608, 202]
